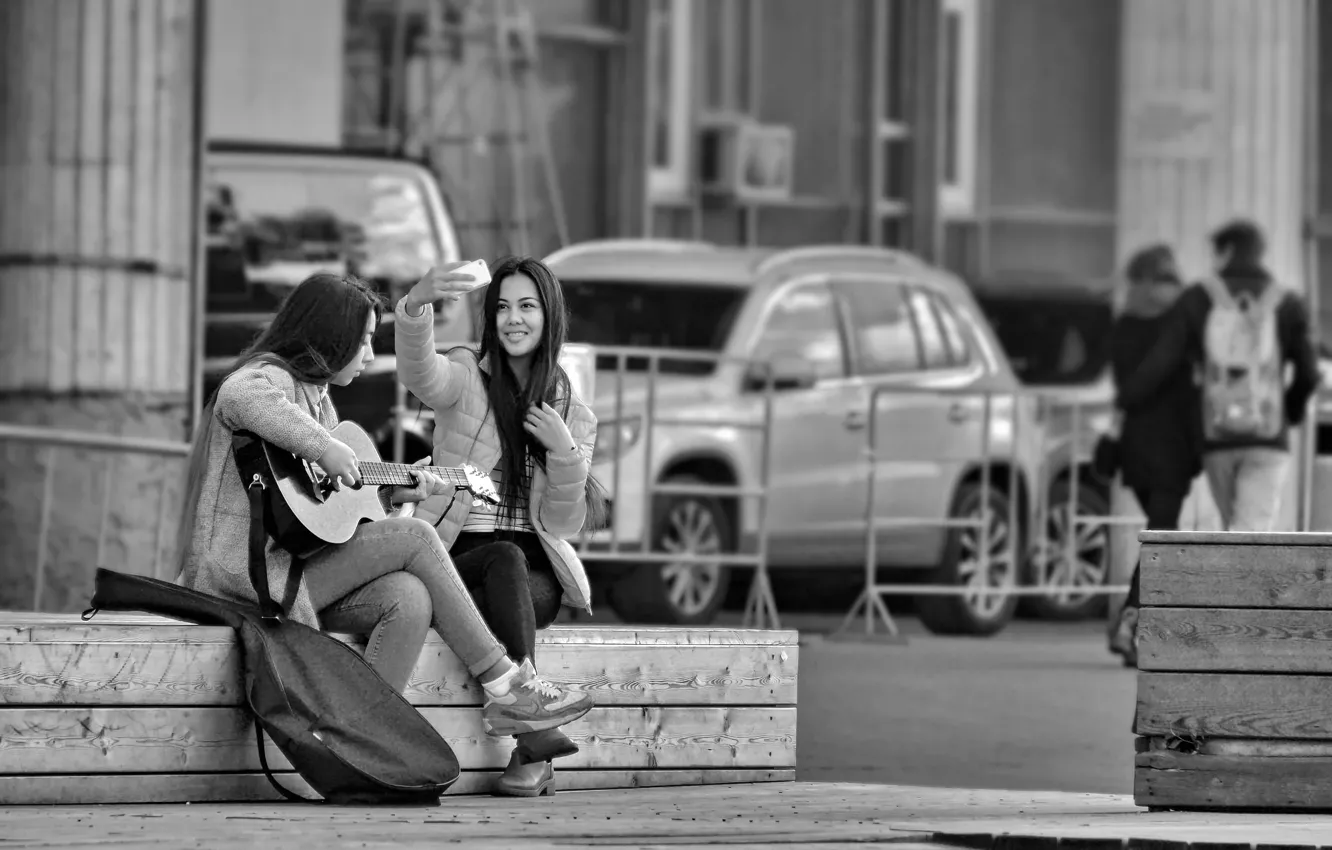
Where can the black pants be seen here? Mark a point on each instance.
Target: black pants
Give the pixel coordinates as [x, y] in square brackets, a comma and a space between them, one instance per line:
[1162, 508]
[513, 584]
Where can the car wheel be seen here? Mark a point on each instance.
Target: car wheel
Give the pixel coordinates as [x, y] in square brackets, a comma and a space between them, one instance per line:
[683, 592]
[1073, 581]
[974, 613]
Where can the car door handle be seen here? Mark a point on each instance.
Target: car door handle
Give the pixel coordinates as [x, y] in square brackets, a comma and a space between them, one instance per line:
[855, 420]
[958, 413]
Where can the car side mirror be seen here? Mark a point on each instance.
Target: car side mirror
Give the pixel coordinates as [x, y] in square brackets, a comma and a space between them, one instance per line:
[785, 371]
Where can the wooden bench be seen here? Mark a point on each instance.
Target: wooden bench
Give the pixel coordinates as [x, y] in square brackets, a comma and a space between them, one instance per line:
[137, 709]
[1234, 692]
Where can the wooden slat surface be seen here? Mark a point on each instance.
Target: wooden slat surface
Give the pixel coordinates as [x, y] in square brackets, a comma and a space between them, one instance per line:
[1239, 640]
[1234, 705]
[189, 672]
[107, 627]
[215, 740]
[1237, 576]
[254, 787]
[1234, 538]
[1169, 779]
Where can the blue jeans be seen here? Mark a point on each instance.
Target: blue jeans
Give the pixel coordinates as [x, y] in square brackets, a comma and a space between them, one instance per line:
[409, 545]
[1246, 485]
[393, 614]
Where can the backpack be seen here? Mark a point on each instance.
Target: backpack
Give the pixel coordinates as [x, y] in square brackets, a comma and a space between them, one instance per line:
[345, 730]
[1243, 386]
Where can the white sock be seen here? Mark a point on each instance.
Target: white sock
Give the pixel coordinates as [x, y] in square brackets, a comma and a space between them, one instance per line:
[499, 686]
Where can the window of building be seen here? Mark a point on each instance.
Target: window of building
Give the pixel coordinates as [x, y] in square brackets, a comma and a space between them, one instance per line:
[803, 323]
[669, 46]
[881, 324]
[725, 36]
[960, 45]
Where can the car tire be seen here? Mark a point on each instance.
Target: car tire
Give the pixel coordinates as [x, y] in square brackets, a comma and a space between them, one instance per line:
[1092, 553]
[683, 593]
[974, 615]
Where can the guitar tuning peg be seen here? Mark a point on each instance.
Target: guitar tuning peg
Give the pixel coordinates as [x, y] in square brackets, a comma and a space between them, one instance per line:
[476, 503]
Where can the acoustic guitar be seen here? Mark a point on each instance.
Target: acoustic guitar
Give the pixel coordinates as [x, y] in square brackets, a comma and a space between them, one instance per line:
[308, 511]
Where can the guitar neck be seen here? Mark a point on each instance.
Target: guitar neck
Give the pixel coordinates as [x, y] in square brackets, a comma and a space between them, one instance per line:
[379, 474]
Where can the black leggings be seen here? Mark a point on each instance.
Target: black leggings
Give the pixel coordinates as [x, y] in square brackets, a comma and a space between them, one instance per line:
[1162, 509]
[513, 584]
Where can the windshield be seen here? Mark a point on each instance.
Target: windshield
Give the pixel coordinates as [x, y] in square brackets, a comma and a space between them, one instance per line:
[272, 223]
[651, 314]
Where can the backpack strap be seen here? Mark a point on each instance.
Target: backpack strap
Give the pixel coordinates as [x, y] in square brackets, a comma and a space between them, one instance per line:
[268, 771]
[257, 478]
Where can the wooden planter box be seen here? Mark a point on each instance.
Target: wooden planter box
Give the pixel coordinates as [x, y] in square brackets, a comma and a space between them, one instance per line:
[1235, 672]
[138, 709]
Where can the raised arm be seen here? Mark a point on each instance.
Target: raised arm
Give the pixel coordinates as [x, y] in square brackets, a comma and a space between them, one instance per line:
[564, 503]
[262, 400]
[430, 376]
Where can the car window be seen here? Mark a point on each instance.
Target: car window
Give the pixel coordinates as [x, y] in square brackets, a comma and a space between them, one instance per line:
[933, 348]
[696, 317]
[270, 225]
[959, 352]
[882, 326]
[803, 323]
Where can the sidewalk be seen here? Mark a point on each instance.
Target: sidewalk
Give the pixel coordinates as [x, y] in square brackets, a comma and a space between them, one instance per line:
[785, 815]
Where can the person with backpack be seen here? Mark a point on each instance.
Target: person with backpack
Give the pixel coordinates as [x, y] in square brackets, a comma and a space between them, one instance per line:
[1242, 332]
[278, 391]
[1158, 453]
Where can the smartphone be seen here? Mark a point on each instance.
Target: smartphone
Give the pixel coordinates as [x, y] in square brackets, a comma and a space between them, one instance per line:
[479, 272]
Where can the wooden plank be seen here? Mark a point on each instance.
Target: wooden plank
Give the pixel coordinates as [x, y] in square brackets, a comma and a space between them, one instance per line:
[117, 163]
[211, 740]
[1169, 779]
[1240, 747]
[1236, 576]
[1240, 640]
[1237, 538]
[254, 787]
[209, 673]
[51, 628]
[90, 332]
[1230, 705]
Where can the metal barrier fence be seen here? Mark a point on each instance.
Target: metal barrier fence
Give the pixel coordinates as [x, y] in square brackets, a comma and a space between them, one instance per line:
[53, 440]
[1035, 468]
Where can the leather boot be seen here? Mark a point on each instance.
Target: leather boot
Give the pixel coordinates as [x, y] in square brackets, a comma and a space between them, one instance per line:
[525, 780]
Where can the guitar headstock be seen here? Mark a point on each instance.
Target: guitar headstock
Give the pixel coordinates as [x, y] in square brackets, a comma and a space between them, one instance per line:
[480, 485]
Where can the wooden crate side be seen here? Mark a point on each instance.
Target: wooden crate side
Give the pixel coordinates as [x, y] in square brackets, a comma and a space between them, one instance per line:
[1238, 640]
[1234, 705]
[106, 627]
[186, 672]
[213, 740]
[1225, 575]
[1176, 780]
[254, 787]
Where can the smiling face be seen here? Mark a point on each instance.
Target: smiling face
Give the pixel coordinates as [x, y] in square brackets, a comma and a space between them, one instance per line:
[519, 318]
[364, 355]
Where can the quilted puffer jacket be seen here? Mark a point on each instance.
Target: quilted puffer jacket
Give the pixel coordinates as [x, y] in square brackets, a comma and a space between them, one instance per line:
[452, 386]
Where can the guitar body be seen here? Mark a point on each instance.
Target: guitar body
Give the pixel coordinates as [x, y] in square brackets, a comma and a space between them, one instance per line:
[305, 514]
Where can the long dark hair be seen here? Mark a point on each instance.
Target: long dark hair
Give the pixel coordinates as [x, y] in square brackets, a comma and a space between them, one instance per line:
[317, 331]
[547, 382]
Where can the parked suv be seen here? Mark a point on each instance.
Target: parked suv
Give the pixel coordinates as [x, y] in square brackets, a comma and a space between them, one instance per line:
[833, 323]
[276, 213]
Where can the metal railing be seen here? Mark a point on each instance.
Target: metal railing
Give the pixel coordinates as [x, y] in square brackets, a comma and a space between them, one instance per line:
[1036, 470]
[51, 442]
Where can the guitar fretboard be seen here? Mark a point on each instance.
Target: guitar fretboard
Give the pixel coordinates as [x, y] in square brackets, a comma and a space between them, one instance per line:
[379, 474]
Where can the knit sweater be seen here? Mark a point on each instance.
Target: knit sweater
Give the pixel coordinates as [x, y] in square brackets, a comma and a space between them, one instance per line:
[453, 387]
[267, 401]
